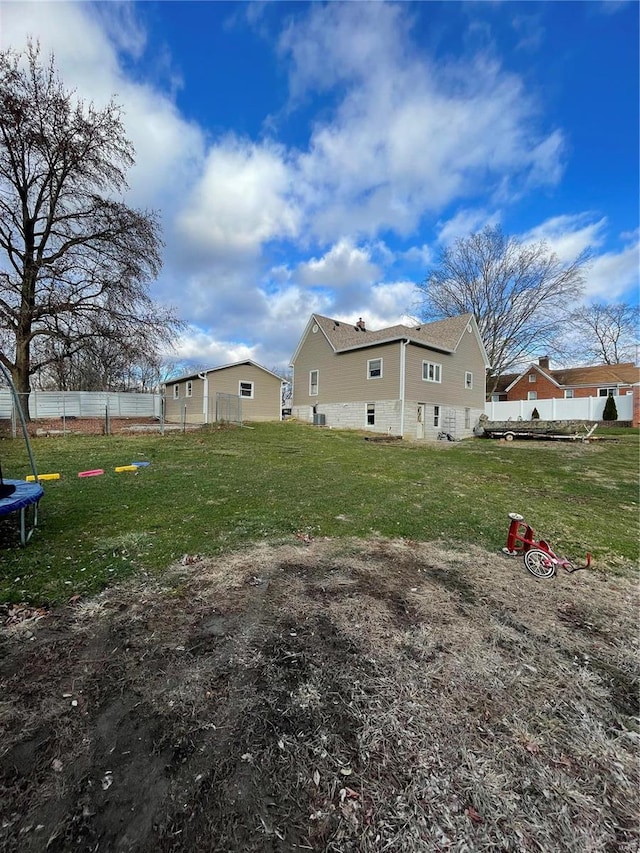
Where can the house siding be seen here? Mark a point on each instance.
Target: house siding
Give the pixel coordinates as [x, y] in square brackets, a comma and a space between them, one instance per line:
[266, 404]
[343, 376]
[344, 389]
[189, 409]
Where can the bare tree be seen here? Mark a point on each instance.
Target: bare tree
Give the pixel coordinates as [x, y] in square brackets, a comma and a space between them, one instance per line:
[606, 334]
[520, 294]
[75, 261]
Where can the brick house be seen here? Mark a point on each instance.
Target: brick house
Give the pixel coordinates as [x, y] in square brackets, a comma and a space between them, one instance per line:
[540, 382]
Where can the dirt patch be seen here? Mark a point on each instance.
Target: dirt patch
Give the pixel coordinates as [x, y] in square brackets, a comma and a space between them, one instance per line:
[328, 696]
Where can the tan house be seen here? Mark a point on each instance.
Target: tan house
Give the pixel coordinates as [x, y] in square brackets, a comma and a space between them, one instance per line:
[243, 391]
[409, 381]
[539, 382]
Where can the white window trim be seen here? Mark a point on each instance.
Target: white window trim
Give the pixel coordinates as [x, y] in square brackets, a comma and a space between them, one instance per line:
[433, 364]
[468, 380]
[369, 361]
[533, 377]
[189, 389]
[372, 412]
[314, 393]
[609, 391]
[176, 392]
[569, 394]
[245, 396]
[436, 416]
[532, 395]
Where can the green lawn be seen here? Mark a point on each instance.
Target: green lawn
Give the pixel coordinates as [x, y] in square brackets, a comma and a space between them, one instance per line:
[208, 491]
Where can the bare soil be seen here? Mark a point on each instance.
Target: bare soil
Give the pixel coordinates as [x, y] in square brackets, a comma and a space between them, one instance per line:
[328, 696]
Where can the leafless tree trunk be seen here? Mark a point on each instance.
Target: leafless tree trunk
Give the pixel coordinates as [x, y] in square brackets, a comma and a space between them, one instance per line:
[520, 294]
[75, 261]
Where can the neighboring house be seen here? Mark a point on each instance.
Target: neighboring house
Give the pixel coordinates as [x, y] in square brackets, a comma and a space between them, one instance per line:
[410, 381]
[240, 391]
[539, 382]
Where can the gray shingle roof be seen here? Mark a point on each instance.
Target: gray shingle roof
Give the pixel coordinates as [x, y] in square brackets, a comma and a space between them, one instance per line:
[441, 334]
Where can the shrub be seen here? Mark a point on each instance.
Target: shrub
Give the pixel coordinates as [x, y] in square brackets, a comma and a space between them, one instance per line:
[610, 412]
[535, 415]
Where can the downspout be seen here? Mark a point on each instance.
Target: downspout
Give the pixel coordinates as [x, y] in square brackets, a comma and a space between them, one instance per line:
[403, 356]
[205, 396]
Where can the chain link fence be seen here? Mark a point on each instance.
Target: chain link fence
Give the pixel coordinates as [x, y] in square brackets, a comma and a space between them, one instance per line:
[228, 409]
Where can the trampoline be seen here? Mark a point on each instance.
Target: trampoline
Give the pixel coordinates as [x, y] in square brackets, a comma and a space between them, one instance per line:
[24, 500]
[26, 496]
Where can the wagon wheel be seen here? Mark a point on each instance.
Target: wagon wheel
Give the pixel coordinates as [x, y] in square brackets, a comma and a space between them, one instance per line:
[539, 563]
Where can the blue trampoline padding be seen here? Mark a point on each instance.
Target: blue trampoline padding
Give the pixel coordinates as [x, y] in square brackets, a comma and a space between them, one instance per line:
[25, 494]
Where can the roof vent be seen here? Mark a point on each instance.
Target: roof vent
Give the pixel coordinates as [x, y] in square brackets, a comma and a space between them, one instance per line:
[360, 326]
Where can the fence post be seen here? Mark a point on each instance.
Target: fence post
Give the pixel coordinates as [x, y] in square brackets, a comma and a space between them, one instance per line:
[162, 405]
[184, 418]
[64, 415]
[107, 425]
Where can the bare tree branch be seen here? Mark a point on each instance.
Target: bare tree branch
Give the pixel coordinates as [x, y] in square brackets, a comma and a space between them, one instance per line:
[75, 261]
[520, 294]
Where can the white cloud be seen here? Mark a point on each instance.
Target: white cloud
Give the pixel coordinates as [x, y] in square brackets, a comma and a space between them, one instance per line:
[464, 223]
[406, 137]
[87, 42]
[242, 200]
[569, 235]
[613, 276]
[342, 266]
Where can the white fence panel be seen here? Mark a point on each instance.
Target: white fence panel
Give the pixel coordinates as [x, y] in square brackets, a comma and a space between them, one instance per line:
[85, 404]
[579, 409]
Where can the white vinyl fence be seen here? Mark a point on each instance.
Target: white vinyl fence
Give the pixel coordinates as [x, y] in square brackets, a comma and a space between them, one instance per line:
[85, 404]
[580, 409]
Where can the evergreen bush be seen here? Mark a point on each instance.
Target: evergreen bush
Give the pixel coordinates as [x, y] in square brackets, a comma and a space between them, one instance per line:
[610, 412]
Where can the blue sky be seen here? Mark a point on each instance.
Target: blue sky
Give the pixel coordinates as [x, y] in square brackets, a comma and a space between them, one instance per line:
[317, 157]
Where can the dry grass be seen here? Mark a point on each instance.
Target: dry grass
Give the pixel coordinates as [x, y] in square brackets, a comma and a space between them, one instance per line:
[335, 696]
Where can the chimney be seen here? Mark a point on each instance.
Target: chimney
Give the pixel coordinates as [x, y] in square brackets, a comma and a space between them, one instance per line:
[543, 362]
[360, 325]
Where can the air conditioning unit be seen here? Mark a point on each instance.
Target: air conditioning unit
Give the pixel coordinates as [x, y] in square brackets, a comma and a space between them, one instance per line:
[319, 420]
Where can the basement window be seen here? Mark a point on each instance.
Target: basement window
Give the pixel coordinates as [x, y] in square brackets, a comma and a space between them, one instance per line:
[246, 390]
[371, 414]
[436, 416]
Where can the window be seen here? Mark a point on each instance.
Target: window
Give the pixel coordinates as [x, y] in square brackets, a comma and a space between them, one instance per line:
[495, 398]
[371, 414]
[313, 382]
[431, 372]
[436, 416]
[374, 368]
[532, 377]
[568, 393]
[176, 392]
[189, 388]
[246, 390]
[468, 380]
[467, 418]
[532, 395]
[607, 392]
